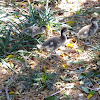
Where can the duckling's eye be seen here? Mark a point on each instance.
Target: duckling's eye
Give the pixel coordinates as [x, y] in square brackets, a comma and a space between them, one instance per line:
[64, 30]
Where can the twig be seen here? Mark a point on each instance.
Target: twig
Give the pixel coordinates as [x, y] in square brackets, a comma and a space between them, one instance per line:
[56, 92]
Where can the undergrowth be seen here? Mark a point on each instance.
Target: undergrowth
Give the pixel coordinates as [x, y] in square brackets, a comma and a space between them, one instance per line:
[11, 38]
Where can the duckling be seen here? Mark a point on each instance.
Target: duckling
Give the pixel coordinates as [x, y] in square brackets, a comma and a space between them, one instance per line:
[33, 30]
[55, 42]
[89, 30]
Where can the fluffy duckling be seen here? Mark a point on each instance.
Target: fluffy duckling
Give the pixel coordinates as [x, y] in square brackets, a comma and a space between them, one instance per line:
[33, 30]
[55, 42]
[89, 30]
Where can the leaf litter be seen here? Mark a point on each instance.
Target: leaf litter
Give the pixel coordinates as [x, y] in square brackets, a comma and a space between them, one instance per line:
[59, 78]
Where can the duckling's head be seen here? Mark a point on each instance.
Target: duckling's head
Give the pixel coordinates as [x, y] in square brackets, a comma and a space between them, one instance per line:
[43, 28]
[94, 20]
[63, 30]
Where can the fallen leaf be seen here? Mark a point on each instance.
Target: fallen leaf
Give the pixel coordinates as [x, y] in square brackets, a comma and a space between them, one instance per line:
[62, 55]
[65, 66]
[70, 45]
[12, 92]
[48, 27]
[89, 96]
[10, 56]
[25, 2]
[85, 89]
[16, 92]
[71, 22]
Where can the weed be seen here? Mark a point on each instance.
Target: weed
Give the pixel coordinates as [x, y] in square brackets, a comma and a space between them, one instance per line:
[11, 38]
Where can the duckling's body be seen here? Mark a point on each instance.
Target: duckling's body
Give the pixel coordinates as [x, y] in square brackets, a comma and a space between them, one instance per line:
[55, 42]
[33, 30]
[88, 31]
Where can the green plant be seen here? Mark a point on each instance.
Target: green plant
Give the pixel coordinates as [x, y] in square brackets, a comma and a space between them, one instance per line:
[11, 38]
[8, 43]
[45, 76]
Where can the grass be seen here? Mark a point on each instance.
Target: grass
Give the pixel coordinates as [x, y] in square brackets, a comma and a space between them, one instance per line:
[11, 38]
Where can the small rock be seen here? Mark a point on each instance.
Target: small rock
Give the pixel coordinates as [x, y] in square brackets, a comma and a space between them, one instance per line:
[98, 63]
